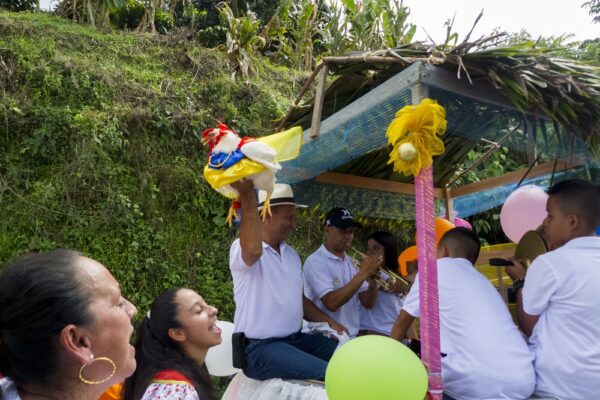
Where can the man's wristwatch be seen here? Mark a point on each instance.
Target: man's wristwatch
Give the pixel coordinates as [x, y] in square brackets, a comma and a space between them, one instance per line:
[518, 284]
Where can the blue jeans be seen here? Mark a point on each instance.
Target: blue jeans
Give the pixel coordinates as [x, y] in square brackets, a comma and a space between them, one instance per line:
[298, 356]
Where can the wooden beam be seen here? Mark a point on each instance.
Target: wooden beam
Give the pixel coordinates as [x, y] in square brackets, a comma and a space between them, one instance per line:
[318, 107]
[515, 176]
[303, 91]
[481, 90]
[335, 178]
[363, 58]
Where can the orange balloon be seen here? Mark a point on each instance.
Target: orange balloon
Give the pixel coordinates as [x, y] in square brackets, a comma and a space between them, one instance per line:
[441, 227]
[112, 393]
[409, 254]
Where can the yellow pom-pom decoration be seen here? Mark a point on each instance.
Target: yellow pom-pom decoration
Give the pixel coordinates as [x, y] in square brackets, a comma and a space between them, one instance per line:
[407, 151]
[414, 136]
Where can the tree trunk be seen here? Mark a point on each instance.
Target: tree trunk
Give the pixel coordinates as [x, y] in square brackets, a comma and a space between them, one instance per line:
[148, 18]
[234, 8]
[90, 10]
[152, 16]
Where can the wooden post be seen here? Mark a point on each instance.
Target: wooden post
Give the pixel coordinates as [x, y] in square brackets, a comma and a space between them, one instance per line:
[318, 107]
[531, 144]
[449, 206]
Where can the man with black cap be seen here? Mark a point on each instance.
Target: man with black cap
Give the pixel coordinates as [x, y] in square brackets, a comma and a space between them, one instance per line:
[267, 286]
[330, 279]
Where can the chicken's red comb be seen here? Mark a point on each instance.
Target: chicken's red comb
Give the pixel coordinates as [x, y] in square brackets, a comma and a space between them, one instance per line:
[206, 132]
[223, 127]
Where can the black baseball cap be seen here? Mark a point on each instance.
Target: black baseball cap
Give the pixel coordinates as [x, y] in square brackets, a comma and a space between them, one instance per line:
[341, 218]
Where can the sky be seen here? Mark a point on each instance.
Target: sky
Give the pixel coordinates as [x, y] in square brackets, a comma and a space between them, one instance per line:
[538, 17]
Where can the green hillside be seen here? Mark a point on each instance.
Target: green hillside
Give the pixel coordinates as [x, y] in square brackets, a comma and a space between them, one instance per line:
[99, 150]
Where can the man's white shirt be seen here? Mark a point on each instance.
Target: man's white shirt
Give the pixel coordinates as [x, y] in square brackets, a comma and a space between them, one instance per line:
[268, 294]
[325, 272]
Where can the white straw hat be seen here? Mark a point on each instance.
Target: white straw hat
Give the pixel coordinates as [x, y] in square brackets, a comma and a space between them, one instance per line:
[282, 194]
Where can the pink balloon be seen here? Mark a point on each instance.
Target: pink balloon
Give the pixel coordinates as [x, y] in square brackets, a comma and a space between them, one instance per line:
[523, 210]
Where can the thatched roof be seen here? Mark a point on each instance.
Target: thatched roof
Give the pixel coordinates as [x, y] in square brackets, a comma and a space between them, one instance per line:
[519, 97]
[555, 99]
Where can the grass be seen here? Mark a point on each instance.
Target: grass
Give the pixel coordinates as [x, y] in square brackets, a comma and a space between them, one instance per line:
[99, 149]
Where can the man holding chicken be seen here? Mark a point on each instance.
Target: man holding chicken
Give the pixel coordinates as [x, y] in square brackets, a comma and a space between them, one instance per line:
[268, 292]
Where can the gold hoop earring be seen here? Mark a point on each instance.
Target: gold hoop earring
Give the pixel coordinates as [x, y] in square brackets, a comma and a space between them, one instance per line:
[106, 359]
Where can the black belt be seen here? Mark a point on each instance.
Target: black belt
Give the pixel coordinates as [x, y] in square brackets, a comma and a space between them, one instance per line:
[250, 340]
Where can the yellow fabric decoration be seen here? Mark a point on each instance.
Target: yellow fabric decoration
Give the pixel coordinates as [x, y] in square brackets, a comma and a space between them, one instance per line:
[418, 126]
[286, 144]
[217, 178]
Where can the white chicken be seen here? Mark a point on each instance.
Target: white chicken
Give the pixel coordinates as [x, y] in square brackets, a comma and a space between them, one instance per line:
[232, 158]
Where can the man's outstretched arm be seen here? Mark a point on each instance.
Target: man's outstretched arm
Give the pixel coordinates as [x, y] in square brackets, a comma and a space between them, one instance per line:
[250, 226]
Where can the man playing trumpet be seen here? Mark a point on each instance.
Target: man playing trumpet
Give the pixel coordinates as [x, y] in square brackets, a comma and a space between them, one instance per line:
[330, 279]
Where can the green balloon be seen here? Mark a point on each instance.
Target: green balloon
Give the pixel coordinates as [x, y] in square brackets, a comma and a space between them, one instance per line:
[375, 367]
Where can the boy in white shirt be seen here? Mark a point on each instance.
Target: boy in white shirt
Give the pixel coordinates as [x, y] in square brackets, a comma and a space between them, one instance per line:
[558, 297]
[485, 356]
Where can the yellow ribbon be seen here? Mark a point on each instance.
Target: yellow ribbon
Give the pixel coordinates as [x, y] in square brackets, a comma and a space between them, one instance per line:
[414, 136]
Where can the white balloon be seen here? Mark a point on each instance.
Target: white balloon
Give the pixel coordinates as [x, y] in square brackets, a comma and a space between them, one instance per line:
[219, 359]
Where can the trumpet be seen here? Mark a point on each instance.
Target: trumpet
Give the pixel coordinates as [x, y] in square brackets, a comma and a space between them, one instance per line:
[387, 285]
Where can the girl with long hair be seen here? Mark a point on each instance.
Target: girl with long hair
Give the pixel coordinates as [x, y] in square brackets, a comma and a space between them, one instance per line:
[171, 346]
[380, 319]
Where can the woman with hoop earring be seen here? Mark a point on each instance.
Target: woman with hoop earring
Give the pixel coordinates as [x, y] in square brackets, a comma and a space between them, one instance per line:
[64, 328]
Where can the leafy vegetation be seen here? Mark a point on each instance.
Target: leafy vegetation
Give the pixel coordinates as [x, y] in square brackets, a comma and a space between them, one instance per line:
[594, 9]
[18, 5]
[99, 128]
[376, 24]
[295, 32]
[242, 41]
[99, 150]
